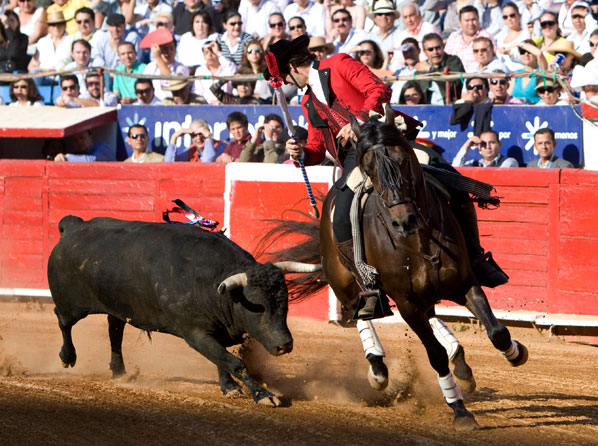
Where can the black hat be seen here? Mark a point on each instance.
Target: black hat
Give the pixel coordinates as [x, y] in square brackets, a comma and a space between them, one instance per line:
[300, 133]
[283, 50]
[115, 20]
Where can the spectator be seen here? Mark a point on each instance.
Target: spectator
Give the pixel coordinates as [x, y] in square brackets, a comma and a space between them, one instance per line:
[164, 62]
[53, 48]
[452, 17]
[95, 90]
[410, 54]
[581, 34]
[565, 17]
[586, 79]
[412, 94]
[499, 86]
[81, 55]
[476, 90]
[297, 27]
[345, 37]
[440, 62]
[85, 20]
[245, 93]
[145, 14]
[385, 32]
[233, 41]
[485, 58]
[24, 93]
[510, 36]
[593, 43]
[530, 15]
[144, 92]
[370, 54]
[312, 14]
[255, 15]
[238, 127]
[263, 146]
[181, 93]
[84, 149]
[358, 14]
[107, 44]
[320, 47]
[491, 18]
[203, 149]
[415, 26]
[33, 21]
[278, 27]
[183, 12]
[13, 45]
[190, 52]
[524, 87]
[550, 33]
[460, 43]
[216, 65]
[549, 92]
[70, 97]
[138, 138]
[254, 62]
[474, 102]
[488, 146]
[544, 144]
[571, 57]
[68, 9]
[124, 86]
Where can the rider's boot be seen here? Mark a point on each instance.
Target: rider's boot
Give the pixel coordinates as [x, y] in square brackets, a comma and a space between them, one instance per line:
[484, 267]
[371, 297]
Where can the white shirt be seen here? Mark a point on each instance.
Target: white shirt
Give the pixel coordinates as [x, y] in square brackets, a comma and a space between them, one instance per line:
[202, 87]
[386, 43]
[494, 66]
[49, 57]
[314, 16]
[355, 37]
[175, 68]
[143, 11]
[189, 51]
[255, 19]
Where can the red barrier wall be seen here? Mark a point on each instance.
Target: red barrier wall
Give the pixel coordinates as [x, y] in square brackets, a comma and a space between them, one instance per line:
[544, 234]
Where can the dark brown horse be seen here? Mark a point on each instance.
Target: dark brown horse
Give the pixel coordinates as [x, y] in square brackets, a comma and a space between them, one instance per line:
[414, 241]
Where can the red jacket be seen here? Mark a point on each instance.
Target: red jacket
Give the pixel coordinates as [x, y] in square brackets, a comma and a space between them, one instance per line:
[350, 88]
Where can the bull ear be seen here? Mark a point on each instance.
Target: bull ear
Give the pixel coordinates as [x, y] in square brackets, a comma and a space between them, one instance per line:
[297, 267]
[354, 126]
[232, 282]
[389, 114]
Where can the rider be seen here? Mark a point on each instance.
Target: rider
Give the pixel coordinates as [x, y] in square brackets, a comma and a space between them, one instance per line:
[337, 88]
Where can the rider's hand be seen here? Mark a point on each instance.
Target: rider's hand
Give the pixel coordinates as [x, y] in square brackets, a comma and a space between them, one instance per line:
[294, 148]
[346, 133]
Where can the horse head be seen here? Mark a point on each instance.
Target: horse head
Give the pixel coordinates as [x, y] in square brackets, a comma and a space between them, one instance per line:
[386, 157]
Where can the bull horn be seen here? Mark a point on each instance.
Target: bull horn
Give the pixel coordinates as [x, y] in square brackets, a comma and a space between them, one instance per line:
[297, 267]
[234, 281]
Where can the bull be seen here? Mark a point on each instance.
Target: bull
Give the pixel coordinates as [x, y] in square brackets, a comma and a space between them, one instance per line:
[176, 279]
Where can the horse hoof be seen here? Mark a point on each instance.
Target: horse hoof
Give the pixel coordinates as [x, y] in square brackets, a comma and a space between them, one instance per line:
[378, 382]
[522, 357]
[234, 393]
[467, 385]
[271, 401]
[465, 423]
[462, 372]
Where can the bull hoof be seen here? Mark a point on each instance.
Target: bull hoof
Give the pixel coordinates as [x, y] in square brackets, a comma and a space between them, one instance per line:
[465, 423]
[521, 357]
[68, 358]
[378, 382]
[118, 373]
[271, 401]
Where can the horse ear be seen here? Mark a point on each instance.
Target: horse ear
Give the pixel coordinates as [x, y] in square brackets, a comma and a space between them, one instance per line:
[354, 126]
[389, 114]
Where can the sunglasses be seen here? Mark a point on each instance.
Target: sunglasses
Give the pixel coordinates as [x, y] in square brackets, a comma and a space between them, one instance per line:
[79, 22]
[578, 16]
[593, 44]
[161, 24]
[93, 84]
[433, 48]
[544, 90]
[480, 50]
[23, 1]
[476, 87]
[499, 81]
[276, 25]
[318, 49]
[292, 28]
[509, 16]
[384, 14]
[20, 87]
[365, 53]
[412, 97]
[522, 52]
[144, 91]
[548, 24]
[68, 87]
[235, 23]
[342, 19]
[254, 50]
[139, 136]
[198, 135]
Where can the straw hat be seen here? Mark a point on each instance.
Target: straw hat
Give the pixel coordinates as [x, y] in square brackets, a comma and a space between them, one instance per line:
[315, 42]
[546, 83]
[562, 46]
[384, 7]
[175, 84]
[55, 17]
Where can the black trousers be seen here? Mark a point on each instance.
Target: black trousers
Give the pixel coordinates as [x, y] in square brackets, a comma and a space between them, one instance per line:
[341, 224]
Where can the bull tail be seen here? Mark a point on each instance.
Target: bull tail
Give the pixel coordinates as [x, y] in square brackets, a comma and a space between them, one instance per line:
[68, 222]
[304, 285]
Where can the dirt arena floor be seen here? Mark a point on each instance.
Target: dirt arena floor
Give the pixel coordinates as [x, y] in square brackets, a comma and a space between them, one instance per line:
[171, 394]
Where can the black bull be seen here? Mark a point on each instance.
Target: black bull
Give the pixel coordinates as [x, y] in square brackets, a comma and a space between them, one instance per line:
[175, 279]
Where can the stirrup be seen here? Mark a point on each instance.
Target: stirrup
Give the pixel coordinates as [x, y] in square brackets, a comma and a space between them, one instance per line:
[372, 304]
[488, 273]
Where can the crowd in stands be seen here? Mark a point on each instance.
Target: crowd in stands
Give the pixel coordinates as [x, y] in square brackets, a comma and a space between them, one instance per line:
[511, 44]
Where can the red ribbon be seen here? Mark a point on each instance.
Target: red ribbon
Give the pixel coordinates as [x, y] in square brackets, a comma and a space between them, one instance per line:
[275, 79]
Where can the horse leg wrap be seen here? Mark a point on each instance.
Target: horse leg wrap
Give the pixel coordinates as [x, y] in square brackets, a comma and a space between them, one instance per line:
[512, 352]
[445, 336]
[449, 388]
[369, 338]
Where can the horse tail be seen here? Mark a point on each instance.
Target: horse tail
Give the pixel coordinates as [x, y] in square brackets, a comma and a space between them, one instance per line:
[301, 286]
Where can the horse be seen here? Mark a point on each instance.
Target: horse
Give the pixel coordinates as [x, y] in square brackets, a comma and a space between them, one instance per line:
[413, 240]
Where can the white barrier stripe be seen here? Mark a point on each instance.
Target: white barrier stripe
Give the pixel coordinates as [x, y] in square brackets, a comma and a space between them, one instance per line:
[25, 292]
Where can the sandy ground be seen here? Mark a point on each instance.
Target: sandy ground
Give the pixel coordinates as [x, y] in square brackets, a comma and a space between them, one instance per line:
[171, 394]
